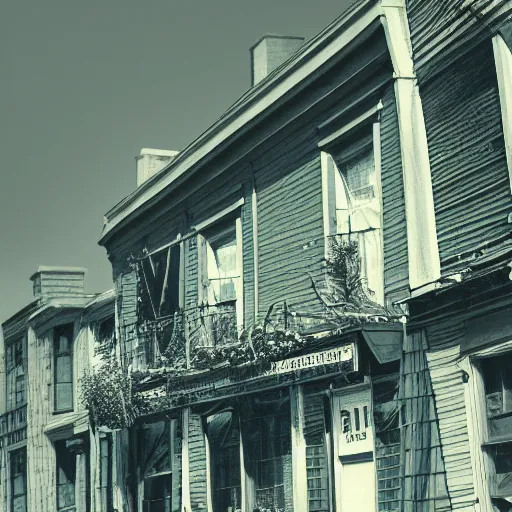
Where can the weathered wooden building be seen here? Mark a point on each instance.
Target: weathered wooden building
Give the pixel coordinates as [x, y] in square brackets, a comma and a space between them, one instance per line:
[262, 276]
[51, 457]
[463, 62]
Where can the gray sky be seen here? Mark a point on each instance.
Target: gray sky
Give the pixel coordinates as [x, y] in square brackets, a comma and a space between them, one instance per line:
[85, 85]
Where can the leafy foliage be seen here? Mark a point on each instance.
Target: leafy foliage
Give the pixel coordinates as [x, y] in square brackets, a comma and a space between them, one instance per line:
[107, 394]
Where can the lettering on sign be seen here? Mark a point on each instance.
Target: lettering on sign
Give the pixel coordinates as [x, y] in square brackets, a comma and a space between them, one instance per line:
[350, 438]
[331, 356]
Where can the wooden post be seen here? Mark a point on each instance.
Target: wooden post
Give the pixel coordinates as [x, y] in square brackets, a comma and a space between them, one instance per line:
[300, 483]
[424, 263]
[185, 478]
[254, 205]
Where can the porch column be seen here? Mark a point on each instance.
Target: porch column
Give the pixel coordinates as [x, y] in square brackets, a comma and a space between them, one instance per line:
[300, 481]
[424, 264]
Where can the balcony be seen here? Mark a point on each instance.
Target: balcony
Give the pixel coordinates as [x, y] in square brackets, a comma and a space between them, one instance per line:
[13, 425]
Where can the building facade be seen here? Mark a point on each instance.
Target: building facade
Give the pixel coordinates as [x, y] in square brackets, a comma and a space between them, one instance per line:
[313, 296]
[52, 457]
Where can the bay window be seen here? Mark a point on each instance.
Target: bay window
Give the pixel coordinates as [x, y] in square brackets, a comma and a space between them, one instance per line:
[352, 199]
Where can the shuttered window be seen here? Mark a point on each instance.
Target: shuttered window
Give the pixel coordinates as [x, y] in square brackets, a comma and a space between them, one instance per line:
[19, 480]
[66, 477]
[224, 440]
[63, 367]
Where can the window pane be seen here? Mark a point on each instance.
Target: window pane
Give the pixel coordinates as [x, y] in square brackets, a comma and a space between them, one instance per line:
[157, 494]
[155, 449]
[63, 369]
[18, 480]
[66, 475]
[63, 397]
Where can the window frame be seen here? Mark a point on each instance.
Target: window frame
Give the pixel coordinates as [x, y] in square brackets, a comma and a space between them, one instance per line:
[11, 383]
[62, 451]
[12, 454]
[217, 225]
[370, 120]
[70, 329]
[477, 421]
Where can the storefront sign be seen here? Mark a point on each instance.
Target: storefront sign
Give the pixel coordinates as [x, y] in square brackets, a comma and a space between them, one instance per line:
[331, 356]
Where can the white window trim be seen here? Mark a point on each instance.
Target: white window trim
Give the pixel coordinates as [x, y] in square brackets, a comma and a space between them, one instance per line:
[377, 156]
[202, 264]
[503, 61]
[474, 397]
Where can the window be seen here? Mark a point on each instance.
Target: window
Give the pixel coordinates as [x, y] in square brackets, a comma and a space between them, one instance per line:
[317, 451]
[156, 456]
[16, 374]
[19, 480]
[353, 201]
[66, 477]
[106, 472]
[497, 377]
[63, 369]
[268, 454]
[224, 439]
[160, 296]
[221, 294]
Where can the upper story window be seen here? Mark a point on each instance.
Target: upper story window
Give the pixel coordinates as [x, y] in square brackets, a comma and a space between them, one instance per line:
[353, 202]
[15, 362]
[221, 283]
[160, 298]
[63, 367]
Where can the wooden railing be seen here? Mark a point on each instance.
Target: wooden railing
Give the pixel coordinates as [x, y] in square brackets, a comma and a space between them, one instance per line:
[13, 425]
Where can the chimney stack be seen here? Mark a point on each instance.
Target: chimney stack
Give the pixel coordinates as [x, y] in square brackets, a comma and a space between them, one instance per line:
[151, 161]
[58, 281]
[269, 52]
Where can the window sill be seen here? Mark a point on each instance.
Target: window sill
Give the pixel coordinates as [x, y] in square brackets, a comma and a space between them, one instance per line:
[497, 440]
[63, 411]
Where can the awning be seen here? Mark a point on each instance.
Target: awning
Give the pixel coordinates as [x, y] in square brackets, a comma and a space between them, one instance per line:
[385, 340]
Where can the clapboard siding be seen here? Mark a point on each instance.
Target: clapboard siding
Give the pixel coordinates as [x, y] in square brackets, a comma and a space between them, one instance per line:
[396, 272]
[447, 383]
[467, 155]
[197, 464]
[41, 455]
[442, 30]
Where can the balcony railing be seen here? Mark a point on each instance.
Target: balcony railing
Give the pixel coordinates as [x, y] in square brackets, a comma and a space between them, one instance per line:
[13, 425]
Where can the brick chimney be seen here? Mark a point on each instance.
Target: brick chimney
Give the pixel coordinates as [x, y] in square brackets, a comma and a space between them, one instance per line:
[269, 52]
[151, 161]
[58, 281]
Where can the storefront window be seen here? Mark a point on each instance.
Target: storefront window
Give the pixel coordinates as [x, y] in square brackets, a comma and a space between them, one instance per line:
[157, 466]
[268, 454]
[224, 439]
